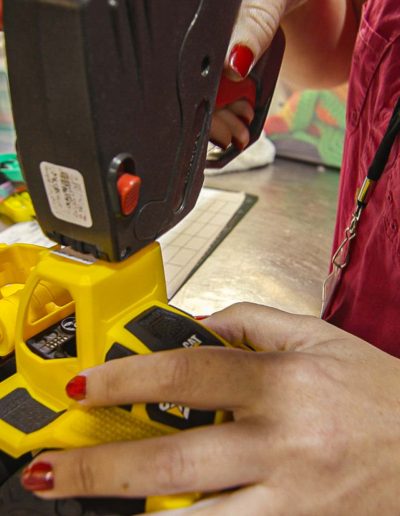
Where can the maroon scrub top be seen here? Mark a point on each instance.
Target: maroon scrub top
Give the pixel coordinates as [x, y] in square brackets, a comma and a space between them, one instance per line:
[367, 302]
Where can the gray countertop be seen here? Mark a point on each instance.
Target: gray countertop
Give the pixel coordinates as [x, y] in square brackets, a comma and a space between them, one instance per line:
[278, 254]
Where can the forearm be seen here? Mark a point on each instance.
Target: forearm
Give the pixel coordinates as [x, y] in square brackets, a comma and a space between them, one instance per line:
[320, 36]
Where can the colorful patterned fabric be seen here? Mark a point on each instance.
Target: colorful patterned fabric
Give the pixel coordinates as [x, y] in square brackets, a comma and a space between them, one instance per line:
[311, 126]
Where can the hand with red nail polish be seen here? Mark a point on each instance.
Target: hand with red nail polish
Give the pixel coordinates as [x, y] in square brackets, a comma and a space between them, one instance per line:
[255, 27]
[313, 425]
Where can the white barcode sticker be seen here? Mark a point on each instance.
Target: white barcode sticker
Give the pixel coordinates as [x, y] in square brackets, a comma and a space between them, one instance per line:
[66, 193]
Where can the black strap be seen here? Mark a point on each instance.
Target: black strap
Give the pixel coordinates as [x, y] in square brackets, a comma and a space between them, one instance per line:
[382, 154]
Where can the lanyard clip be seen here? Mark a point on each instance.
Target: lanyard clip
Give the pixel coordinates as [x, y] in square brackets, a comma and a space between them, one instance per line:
[341, 257]
[365, 192]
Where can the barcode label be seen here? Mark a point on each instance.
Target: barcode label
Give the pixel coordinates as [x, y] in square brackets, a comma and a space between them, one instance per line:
[66, 193]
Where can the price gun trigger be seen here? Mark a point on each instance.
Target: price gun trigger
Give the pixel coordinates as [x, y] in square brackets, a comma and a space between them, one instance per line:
[112, 104]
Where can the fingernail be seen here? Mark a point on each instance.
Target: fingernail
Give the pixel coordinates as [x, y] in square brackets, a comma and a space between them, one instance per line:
[76, 388]
[201, 317]
[219, 144]
[238, 144]
[38, 477]
[240, 60]
[245, 120]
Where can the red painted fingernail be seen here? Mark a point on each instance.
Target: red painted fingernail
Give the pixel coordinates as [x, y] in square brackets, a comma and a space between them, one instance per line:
[76, 388]
[240, 60]
[201, 317]
[38, 477]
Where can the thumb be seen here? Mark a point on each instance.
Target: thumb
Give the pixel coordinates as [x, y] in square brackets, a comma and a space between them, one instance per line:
[256, 25]
[269, 329]
[257, 22]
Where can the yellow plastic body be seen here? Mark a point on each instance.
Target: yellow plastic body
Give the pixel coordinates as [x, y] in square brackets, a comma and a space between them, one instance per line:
[18, 207]
[104, 297]
[16, 263]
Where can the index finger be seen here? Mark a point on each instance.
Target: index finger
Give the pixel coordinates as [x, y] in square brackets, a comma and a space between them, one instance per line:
[202, 378]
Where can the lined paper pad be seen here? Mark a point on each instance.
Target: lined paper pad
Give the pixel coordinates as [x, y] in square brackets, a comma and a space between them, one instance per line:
[184, 247]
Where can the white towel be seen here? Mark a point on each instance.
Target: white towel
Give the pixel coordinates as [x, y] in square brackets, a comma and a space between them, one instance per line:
[258, 155]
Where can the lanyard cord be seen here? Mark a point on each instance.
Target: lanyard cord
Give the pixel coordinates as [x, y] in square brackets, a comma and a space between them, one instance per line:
[380, 160]
[375, 171]
[382, 154]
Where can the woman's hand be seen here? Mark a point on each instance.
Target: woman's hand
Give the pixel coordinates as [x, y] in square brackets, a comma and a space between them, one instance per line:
[230, 125]
[255, 27]
[315, 430]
